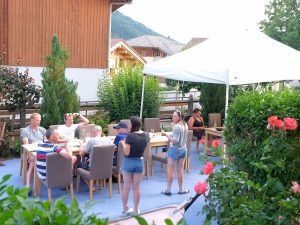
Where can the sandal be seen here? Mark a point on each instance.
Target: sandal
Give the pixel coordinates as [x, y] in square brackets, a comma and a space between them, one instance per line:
[166, 192]
[129, 211]
[184, 191]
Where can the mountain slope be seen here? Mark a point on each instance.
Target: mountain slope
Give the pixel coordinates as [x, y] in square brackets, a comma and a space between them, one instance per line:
[126, 28]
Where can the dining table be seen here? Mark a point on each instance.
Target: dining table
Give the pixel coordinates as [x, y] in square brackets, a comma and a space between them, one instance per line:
[215, 131]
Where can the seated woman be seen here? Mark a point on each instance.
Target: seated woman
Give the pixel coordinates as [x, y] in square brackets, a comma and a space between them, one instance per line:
[196, 124]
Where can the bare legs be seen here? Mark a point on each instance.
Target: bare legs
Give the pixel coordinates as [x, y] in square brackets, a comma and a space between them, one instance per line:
[171, 169]
[135, 180]
[29, 172]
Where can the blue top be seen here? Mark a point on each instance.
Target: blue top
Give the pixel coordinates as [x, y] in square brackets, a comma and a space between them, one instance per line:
[119, 137]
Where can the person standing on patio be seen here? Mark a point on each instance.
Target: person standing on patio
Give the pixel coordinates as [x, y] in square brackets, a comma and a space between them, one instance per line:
[133, 165]
[177, 152]
[67, 131]
[32, 134]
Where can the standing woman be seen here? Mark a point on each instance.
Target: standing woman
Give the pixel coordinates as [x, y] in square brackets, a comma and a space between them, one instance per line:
[177, 152]
[133, 165]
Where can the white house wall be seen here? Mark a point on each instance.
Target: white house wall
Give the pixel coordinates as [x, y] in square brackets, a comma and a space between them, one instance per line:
[87, 80]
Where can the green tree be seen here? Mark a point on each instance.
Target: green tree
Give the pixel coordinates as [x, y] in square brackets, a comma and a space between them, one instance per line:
[59, 94]
[120, 95]
[17, 91]
[283, 22]
[212, 99]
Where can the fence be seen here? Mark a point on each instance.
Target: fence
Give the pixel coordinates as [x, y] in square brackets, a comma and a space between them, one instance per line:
[172, 101]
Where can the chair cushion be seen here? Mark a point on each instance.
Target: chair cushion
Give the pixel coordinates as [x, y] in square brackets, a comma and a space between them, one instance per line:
[84, 173]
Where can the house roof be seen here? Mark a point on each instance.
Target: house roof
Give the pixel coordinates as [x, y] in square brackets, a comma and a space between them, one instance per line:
[167, 45]
[194, 41]
[119, 3]
[121, 44]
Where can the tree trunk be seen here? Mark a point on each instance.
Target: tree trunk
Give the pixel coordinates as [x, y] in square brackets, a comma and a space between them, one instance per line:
[22, 115]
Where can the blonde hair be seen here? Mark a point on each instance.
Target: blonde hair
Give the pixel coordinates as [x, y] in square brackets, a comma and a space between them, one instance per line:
[34, 115]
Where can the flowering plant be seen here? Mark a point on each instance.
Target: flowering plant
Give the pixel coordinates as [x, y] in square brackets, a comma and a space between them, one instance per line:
[202, 186]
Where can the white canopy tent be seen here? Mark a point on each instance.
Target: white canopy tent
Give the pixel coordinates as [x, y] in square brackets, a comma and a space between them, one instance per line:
[242, 58]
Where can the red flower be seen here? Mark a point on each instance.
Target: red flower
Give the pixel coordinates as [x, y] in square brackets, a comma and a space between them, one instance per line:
[215, 143]
[290, 123]
[272, 119]
[295, 187]
[208, 168]
[202, 140]
[278, 123]
[201, 187]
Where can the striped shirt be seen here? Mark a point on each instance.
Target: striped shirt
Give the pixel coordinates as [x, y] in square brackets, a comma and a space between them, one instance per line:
[41, 154]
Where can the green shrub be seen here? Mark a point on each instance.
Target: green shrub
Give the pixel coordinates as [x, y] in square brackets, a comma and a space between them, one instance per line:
[15, 208]
[236, 200]
[246, 131]
[101, 118]
[120, 95]
[266, 159]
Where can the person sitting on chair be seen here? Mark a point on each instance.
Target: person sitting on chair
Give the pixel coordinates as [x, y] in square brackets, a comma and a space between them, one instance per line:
[67, 131]
[32, 134]
[97, 139]
[50, 146]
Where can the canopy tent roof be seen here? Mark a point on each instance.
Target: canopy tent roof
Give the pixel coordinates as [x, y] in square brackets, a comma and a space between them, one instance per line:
[242, 58]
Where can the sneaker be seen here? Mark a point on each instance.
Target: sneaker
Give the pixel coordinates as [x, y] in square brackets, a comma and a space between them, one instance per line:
[136, 213]
[129, 211]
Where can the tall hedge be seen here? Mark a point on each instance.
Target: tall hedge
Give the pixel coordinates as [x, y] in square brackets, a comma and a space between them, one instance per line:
[248, 139]
[120, 94]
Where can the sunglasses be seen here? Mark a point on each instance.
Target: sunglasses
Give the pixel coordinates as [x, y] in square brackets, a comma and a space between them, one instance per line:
[177, 111]
[68, 114]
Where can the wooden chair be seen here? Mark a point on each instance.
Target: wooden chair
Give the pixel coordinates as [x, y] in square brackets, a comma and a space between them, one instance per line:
[86, 130]
[59, 173]
[160, 157]
[152, 124]
[101, 158]
[110, 129]
[117, 171]
[187, 162]
[214, 118]
[2, 128]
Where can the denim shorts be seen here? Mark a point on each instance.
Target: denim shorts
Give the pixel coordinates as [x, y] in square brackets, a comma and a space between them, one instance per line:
[175, 153]
[133, 165]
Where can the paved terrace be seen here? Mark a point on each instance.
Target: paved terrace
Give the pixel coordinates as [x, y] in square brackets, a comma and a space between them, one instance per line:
[151, 196]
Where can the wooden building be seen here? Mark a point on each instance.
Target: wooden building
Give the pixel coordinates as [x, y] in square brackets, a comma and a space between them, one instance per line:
[82, 26]
[121, 53]
[152, 48]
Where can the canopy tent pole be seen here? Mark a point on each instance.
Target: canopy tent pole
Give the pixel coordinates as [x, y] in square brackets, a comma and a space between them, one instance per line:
[142, 100]
[227, 99]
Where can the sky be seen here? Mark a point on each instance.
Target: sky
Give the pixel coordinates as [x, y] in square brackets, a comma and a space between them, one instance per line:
[185, 19]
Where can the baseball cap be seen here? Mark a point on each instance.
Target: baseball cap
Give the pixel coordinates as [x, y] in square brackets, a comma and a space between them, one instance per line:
[121, 125]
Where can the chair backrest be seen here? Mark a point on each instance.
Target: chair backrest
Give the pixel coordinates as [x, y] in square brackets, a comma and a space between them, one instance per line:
[110, 130]
[120, 156]
[189, 141]
[2, 128]
[128, 124]
[101, 161]
[86, 130]
[147, 149]
[59, 170]
[152, 123]
[214, 117]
